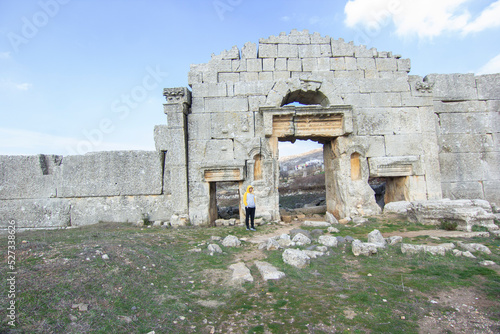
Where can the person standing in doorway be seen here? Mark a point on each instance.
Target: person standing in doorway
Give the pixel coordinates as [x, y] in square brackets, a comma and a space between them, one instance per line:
[249, 201]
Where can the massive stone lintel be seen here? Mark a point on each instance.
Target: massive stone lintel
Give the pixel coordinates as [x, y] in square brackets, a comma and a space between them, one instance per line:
[394, 166]
[228, 173]
[307, 121]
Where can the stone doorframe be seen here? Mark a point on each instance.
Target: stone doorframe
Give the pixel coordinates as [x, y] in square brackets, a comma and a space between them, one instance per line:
[325, 124]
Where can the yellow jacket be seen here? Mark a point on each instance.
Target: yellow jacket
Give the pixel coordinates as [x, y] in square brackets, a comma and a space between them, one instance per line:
[245, 197]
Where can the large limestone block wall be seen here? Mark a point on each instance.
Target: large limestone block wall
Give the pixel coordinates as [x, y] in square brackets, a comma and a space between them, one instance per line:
[468, 110]
[226, 125]
[51, 191]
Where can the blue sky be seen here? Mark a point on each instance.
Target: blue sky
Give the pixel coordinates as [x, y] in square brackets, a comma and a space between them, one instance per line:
[78, 76]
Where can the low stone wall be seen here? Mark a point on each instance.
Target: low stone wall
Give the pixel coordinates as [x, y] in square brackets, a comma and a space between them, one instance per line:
[50, 191]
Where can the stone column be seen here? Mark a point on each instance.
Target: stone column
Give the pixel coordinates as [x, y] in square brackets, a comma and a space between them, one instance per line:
[177, 108]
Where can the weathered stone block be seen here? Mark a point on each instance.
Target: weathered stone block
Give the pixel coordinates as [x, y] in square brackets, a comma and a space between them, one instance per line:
[384, 85]
[408, 100]
[365, 64]
[226, 104]
[386, 99]
[219, 150]
[299, 37]
[450, 87]
[337, 64]
[35, 213]
[34, 176]
[228, 77]
[210, 89]
[266, 76]
[239, 65]
[492, 190]
[395, 166]
[310, 51]
[232, 125]
[360, 51]
[111, 174]
[463, 143]
[249, 50]
[268, 64]
[356, 74]
[407, 144]
[119, 209]
[469, 123]
[249, 76]
[381, 121]
[462, 106]
[281, 75]
[462, 190]
[294, 65]
[310, 64]
[488, 86]
[464, 167]
[252, 88]
[288, 50]
[386, 64]
[404, 65]
[280, 64]
[351, 64]
[341, 48]
[268, 51]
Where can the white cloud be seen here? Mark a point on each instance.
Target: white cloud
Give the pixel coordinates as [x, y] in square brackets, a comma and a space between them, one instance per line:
[4, 55]
[23, 86]
[489, 18]
[7, 84]
[16, 141]
[424, 18]
[492, 66]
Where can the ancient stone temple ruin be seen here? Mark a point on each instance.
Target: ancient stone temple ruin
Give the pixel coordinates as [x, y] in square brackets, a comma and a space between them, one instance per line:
[429, 138]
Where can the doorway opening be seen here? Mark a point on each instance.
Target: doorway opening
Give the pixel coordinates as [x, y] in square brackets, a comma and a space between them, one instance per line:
[224, 200]
[302, 178]
[389, 189]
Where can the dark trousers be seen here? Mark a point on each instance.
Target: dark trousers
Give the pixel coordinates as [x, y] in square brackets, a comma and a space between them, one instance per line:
[250, 212]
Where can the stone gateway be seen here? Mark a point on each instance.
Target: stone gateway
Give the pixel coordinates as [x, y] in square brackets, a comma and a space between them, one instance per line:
[429, 138]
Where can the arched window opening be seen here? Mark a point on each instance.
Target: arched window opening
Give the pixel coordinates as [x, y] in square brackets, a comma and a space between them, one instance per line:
[309, 97]
[257, 167]
[355, 167]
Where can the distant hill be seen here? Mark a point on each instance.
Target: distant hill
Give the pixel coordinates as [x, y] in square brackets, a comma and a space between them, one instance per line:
[293, 160]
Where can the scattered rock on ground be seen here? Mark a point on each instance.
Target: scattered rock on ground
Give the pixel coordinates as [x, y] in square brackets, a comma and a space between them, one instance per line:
[328, 240]
[363, 248]
[316, 223]
[231, 241]
[268, 271]
[241, 272]
[400, 207]
[330, 218]
[415, 249]
[487, 263]
[474, 247]
[300, 239]
[332, 229]
[394, 240]
[375, 237]
[296, 258]
[214, 248]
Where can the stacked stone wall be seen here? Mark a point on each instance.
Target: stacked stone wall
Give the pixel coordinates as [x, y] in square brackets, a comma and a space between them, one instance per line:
[468, 109]
[51, 191]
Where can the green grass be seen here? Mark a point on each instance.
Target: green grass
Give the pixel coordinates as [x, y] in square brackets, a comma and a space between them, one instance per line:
[154, 279]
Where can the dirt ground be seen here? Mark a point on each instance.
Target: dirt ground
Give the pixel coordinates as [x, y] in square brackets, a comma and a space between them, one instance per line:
[468, 309]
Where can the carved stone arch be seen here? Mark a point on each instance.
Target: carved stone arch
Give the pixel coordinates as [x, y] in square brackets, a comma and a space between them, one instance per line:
[264, 152]
[305, 91]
